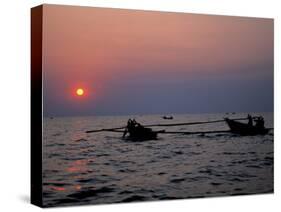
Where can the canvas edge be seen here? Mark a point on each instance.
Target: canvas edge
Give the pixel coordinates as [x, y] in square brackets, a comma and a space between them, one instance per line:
[155, 10]
[36, 105]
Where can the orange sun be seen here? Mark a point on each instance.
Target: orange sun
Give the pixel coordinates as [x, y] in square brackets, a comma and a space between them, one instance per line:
[80, 92]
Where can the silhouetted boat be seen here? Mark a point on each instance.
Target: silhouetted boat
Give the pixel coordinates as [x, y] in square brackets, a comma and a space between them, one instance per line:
[137, 132]
[245, 129]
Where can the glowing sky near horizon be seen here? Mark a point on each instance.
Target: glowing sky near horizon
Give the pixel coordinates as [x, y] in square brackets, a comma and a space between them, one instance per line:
[143, 62]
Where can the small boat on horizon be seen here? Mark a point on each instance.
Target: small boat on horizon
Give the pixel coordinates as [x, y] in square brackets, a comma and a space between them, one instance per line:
[168, 117]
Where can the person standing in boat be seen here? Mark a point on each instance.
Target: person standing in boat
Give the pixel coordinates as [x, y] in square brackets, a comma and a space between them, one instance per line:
[128, 128]
[250, 122]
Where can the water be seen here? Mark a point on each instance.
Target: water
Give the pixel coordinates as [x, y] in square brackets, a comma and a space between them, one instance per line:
[80, 168]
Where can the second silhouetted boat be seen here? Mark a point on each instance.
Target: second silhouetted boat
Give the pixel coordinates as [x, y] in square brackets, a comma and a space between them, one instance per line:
[246, 129]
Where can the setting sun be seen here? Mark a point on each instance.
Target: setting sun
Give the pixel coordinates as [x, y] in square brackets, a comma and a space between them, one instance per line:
[80, 92]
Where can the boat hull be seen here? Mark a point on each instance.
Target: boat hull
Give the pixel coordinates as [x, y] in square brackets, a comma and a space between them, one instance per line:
[142, 137]
[142, 134]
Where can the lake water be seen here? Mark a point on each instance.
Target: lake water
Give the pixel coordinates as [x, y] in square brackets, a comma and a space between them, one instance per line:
[81, 168]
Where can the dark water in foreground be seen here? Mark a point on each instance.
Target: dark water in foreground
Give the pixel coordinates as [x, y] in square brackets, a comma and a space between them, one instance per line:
[80, 168]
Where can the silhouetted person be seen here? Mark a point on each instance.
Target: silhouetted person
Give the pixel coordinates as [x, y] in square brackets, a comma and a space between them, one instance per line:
[134, 122]
[250, 122]
[129, 127]
[137, 125]
[260, 122]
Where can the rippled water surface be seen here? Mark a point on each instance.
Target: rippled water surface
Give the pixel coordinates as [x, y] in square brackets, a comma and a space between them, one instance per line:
[81, 168]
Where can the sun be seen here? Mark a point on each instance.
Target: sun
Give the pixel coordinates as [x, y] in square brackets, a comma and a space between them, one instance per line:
[80, 92]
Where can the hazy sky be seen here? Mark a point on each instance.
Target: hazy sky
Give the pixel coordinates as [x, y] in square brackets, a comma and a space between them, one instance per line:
[143, 62]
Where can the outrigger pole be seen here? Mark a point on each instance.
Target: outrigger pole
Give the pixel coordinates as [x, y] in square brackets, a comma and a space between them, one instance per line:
[118, 129]
[175, 132]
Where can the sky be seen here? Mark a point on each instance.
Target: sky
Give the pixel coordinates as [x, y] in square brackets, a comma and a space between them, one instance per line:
[144, 62]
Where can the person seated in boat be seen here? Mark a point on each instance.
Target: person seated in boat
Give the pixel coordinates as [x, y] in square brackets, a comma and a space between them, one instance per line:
[250, 120]
[260, 122]
[135, 123]
[139, 128]
[132, 125]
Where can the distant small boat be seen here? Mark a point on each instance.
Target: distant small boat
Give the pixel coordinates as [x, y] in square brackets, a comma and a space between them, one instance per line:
[245, 129]
[167, 117]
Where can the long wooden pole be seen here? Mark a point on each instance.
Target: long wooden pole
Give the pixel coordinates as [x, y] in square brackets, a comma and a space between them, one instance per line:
[176, 132]
[191, 123]
[164, 125]
[195, 132]
[110, 129]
